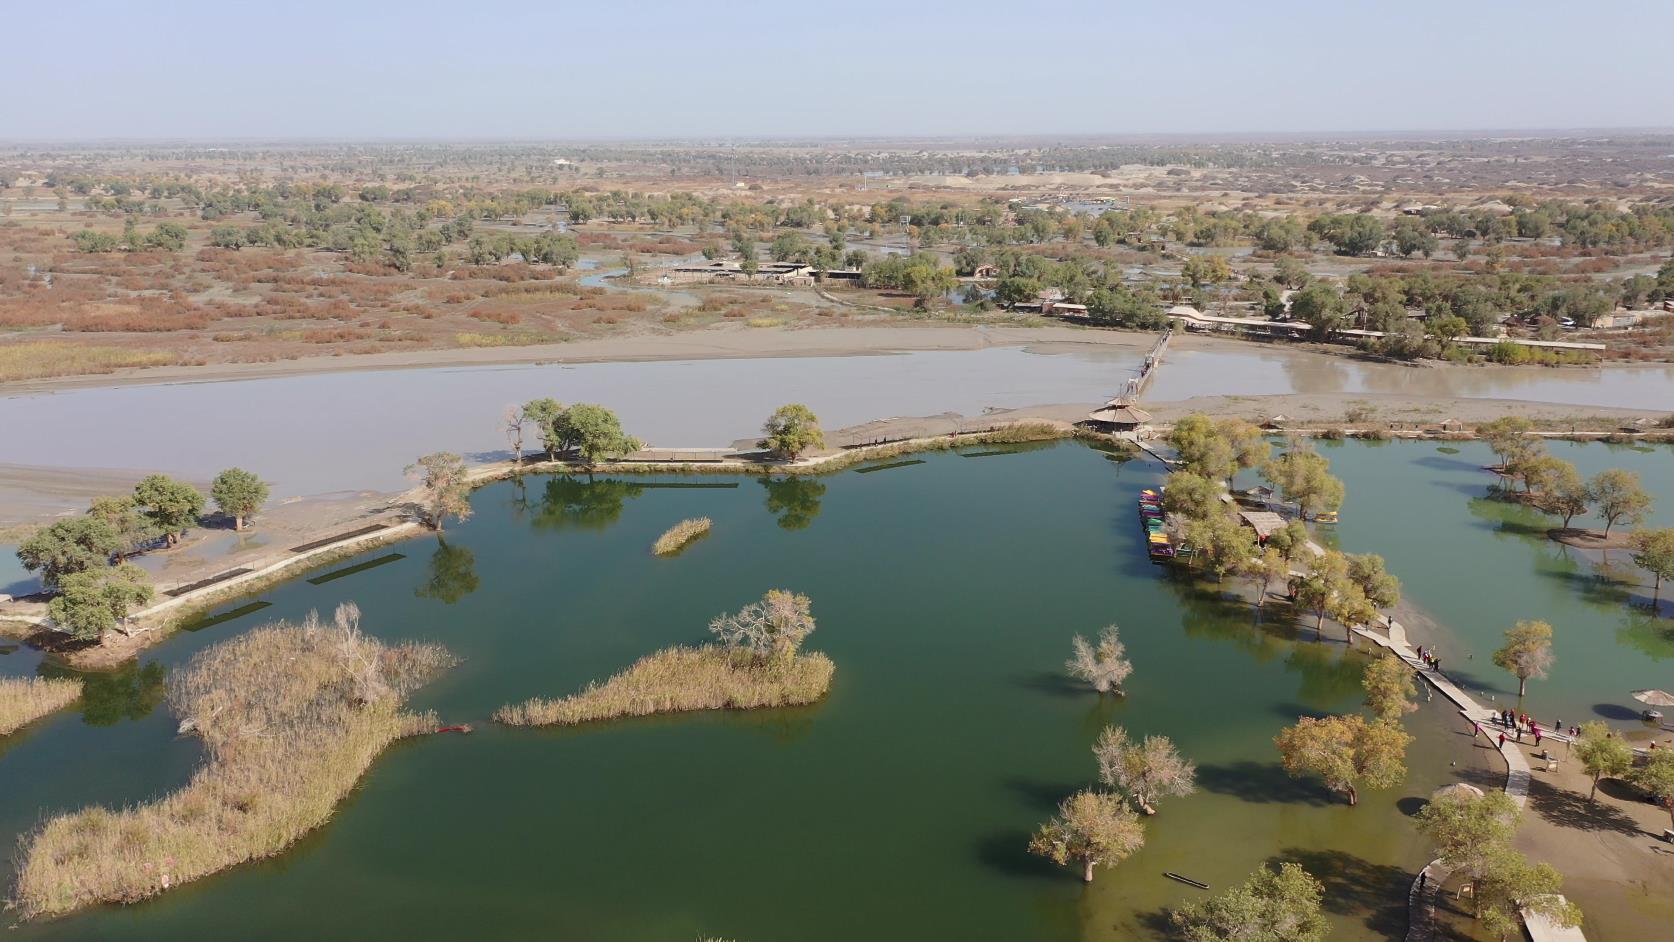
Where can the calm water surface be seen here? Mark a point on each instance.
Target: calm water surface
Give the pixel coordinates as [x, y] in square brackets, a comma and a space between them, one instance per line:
[947, 593]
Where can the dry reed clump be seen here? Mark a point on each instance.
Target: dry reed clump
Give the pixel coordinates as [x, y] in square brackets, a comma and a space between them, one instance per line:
[23, 700]
[46, 359]
[681, 679]
[676, 537]
[290, 716]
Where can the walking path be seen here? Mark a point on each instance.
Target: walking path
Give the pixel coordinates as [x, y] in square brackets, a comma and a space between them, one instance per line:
[1421, 918]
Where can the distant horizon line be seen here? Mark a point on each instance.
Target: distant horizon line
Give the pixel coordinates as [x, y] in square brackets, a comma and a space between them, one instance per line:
[1557, 133]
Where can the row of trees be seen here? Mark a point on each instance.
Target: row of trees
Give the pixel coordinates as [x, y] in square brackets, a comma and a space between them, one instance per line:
[1554, 486]
[83, 559]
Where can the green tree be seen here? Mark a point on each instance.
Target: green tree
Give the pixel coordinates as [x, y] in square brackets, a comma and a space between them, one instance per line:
[1290, 541]
[545, 415]
[1320, 306]
[1221, 544]
[1466, 826]
[1390, 688]
[1619, 497]
[1201, 449]
[1304, 478]
[1271, 906]
[1092, 829]
[1145, 771]
[171, 506]
[92, 602]
[792, 430]
[1527, 652]
[1508, 884]
[69, 546]
[596, 433]
[1509, 438]
[1191, 495]
[123, 514]
[239, 494]
[1653, 551]
[1656, 779]
[226, 237]
[443, 491]
[1347, 752]
[1602, 754]
[1563, 493]
[1367, 572]
[1320, 587]
[1266, 569]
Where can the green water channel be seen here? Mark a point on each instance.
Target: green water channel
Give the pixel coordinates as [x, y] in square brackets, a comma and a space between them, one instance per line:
[947, 593]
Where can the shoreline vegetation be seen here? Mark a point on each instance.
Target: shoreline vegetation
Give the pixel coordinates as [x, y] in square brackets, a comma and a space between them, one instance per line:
[756, 664]
[291, 716]
[675, 538]
[23, 700]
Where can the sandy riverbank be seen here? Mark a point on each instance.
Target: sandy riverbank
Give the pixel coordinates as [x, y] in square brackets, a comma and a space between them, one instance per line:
[720, 342]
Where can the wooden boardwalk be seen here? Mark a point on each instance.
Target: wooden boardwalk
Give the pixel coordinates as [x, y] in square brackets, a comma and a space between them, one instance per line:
[1421, 900]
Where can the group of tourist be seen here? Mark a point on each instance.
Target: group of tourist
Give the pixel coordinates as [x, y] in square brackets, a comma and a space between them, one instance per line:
[1517, 723]
[1429, 658]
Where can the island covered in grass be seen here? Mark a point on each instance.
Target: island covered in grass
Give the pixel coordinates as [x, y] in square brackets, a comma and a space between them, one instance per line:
[290, 716]
[758, 662]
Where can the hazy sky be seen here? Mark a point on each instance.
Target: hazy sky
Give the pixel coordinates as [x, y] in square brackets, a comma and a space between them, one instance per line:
[79, 69]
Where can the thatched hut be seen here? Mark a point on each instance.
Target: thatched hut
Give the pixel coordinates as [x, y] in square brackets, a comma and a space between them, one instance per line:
[1119, 416]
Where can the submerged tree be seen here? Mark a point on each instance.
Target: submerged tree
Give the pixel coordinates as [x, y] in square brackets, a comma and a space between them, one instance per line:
[1619, 497]
[771, 630]
[239, 494]
[442, 488]
[1264, 570]
[1145, 771]
[1389, 686]
[1092, 829]
[1347, 752]
[1527, 652]
[1303, 477]
[1653, 551]
[1103, 664]
[792, 430]
[1271, 906]
[1563, 493]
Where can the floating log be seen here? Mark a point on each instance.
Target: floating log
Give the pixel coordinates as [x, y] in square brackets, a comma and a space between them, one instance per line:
[1186, 880]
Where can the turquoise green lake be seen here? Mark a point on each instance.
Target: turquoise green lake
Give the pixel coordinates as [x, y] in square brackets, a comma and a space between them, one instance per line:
[947, 592]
